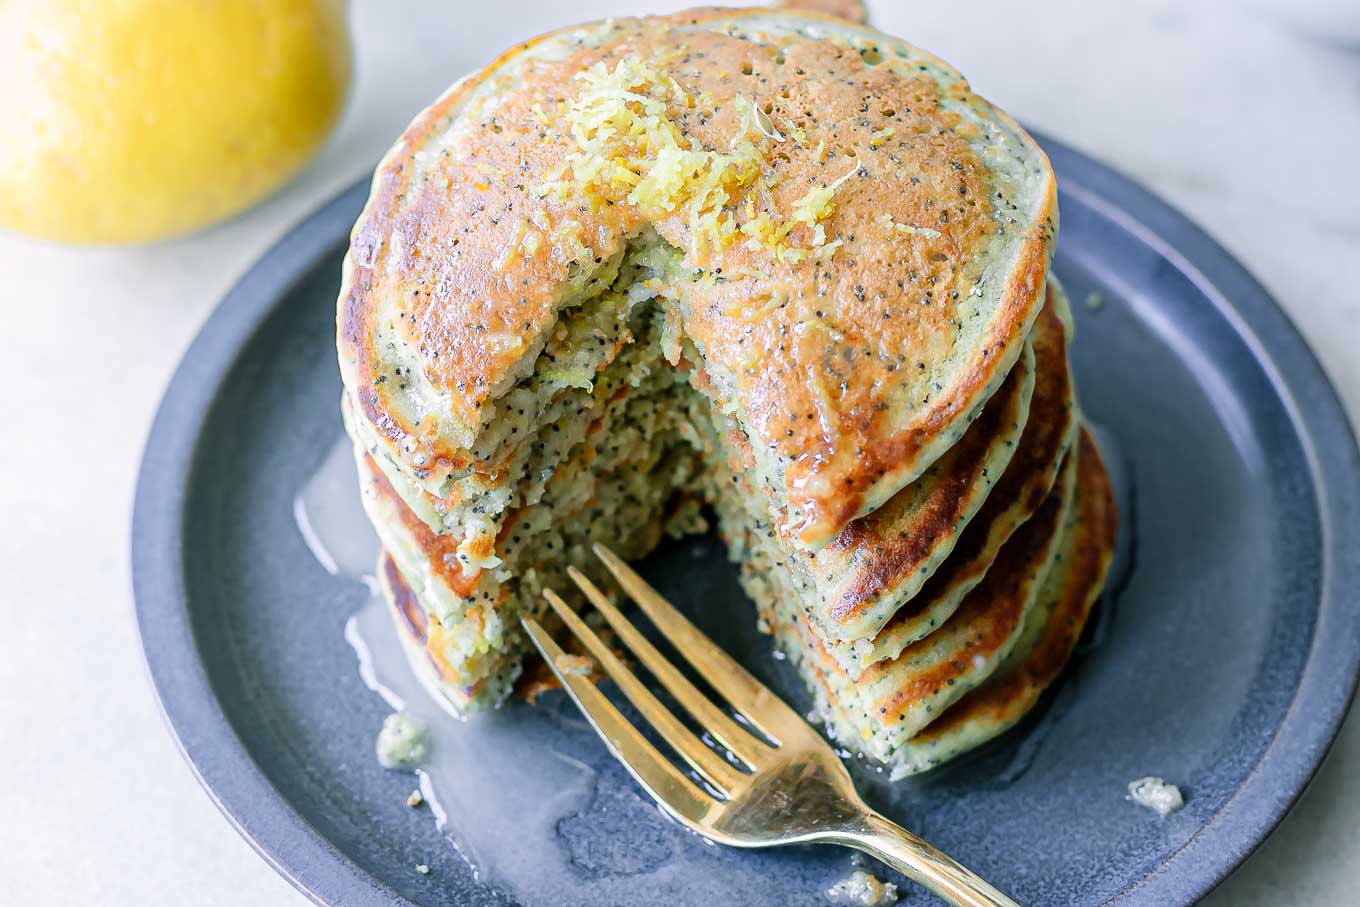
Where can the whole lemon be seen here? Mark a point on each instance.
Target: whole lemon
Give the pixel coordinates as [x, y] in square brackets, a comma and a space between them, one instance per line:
[126, 121]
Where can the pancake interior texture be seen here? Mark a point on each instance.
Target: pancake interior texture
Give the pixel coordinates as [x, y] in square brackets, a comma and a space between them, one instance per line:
[767, 265]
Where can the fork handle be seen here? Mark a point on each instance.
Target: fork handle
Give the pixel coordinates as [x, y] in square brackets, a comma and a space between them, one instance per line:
[922, 863]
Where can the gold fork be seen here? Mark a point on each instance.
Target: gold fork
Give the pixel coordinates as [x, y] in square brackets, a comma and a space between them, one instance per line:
[783, 784]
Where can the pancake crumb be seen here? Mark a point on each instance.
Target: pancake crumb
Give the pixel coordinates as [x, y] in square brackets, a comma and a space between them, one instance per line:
[403, 742]
[574, 665]
[861, 887]
[1155, 794]
[415, 799]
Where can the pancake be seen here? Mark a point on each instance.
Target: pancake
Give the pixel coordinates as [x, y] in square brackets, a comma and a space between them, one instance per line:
[1051, 631]
[856, 279]
[467, 648]
[892, 700]
[765, 262]
[1049, 432]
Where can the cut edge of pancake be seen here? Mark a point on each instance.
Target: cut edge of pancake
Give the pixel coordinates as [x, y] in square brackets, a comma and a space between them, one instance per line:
[412, 627]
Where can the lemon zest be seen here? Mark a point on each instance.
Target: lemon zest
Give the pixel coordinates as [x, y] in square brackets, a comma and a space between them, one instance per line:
[629, 151]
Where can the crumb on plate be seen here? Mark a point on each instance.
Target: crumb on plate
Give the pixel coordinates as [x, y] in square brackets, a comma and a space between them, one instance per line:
[1155, 794]
[574, 665]
[403, 742]
[861, 887]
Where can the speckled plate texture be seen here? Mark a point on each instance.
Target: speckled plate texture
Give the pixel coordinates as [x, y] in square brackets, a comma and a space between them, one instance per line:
[1223, 659]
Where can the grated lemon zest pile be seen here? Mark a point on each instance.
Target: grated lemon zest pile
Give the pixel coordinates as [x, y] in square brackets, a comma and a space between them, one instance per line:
[629, 151]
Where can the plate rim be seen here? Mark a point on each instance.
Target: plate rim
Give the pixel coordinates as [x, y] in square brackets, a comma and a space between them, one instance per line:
[315, 867]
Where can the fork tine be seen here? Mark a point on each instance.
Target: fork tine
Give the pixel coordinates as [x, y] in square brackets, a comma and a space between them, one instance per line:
[715, 770]
[677, 794]
[749, 696]
[742, 744]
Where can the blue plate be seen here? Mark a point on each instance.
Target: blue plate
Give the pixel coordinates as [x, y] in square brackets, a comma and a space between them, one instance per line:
[1224, 660]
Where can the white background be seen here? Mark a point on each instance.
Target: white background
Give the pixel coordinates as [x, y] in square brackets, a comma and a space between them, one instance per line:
[1247, 126]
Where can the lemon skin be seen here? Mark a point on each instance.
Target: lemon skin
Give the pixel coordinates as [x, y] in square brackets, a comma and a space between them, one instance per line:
[129, 121]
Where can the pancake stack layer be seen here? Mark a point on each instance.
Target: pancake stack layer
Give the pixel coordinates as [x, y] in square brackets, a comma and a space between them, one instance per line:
[772, 266]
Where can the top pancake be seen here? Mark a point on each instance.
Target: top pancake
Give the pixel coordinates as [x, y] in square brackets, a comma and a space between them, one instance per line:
[858, 266]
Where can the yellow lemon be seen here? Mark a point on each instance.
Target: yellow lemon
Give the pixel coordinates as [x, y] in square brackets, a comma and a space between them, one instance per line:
[126, 121]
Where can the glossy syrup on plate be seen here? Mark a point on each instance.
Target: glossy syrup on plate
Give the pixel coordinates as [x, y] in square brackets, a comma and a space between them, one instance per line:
[526, 793]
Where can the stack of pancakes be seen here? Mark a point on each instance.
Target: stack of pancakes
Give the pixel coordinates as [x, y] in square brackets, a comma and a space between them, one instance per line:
[768, 265]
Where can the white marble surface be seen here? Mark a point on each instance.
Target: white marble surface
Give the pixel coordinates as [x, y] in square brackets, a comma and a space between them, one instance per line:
[1250, 129]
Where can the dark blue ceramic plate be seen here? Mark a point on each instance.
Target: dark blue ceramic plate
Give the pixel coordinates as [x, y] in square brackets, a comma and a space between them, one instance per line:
[1224, 661]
